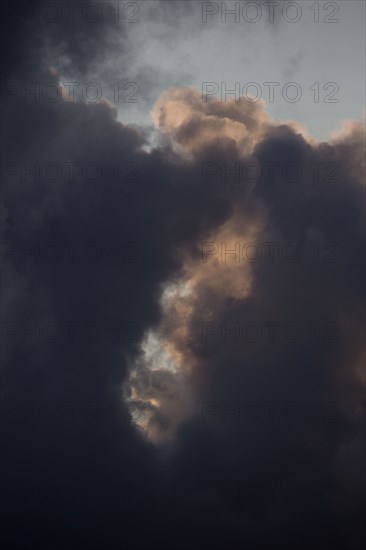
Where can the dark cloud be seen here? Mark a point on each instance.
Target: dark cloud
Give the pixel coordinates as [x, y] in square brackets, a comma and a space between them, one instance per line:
[258, 442]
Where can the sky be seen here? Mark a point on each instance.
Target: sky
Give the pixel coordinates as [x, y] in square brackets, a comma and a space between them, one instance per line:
[190, 52]
[182, 275]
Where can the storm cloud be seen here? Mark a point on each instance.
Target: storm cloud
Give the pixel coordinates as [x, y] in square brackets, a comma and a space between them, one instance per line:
[182, 316]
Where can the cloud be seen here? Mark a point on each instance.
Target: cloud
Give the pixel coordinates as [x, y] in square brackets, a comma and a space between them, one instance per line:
[157, 392]
[196, 122]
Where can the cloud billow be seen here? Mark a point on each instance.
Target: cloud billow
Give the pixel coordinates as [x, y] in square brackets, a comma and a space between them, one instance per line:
[203, 441]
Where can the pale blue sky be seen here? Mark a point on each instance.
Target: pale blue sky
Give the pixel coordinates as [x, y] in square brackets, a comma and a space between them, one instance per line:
[171, 46]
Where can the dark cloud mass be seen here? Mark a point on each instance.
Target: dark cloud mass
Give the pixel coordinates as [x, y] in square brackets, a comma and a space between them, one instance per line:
[243, 442]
